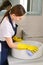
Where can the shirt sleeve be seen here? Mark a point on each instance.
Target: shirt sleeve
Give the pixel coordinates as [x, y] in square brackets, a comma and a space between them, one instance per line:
[6, 29]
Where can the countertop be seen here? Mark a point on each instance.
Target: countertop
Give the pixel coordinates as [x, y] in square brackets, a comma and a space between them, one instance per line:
[16, 61]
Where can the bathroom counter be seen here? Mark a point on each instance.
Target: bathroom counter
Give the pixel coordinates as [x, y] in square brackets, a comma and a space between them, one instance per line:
[15, 61]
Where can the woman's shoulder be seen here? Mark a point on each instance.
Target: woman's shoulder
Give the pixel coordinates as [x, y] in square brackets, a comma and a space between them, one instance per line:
[5, 19]
[5, 22]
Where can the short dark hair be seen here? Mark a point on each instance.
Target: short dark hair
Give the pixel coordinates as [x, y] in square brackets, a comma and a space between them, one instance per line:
[5, 4]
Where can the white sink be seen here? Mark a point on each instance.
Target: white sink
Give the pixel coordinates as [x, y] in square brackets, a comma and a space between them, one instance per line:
[24, 54]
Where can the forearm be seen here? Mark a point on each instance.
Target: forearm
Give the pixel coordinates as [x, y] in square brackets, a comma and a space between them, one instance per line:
[10, 43]
[13, 45]
[16, 45]
[21, 46]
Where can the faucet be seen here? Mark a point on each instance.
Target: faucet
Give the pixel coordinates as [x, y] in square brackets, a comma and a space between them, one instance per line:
[23, 34]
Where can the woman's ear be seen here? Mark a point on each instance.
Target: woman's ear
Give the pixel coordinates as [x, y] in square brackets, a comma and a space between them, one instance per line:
[14, 15]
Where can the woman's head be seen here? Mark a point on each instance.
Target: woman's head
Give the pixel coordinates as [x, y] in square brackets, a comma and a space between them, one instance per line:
[18, 10]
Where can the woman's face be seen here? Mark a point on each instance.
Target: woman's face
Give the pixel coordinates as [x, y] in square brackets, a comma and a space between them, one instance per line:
[16, 18]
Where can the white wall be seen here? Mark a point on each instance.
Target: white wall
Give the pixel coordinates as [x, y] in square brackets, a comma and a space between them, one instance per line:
[33, 26]
[14, 2]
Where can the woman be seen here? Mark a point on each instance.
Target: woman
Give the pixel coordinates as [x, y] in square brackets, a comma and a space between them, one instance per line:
[6, 5]
[8, 29]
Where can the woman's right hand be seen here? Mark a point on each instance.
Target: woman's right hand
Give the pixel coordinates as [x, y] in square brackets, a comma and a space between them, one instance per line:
[22, 46]
[32, 48]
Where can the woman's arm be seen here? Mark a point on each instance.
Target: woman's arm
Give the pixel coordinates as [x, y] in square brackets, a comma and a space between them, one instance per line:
[21, 46]
[10, 42]
[17, 45]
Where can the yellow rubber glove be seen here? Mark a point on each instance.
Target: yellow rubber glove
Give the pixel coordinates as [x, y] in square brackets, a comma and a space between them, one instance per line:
[16, 39]
[32, 48]
[22, 46]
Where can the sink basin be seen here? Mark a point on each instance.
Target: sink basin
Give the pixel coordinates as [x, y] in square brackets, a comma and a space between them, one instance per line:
[24, 54]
